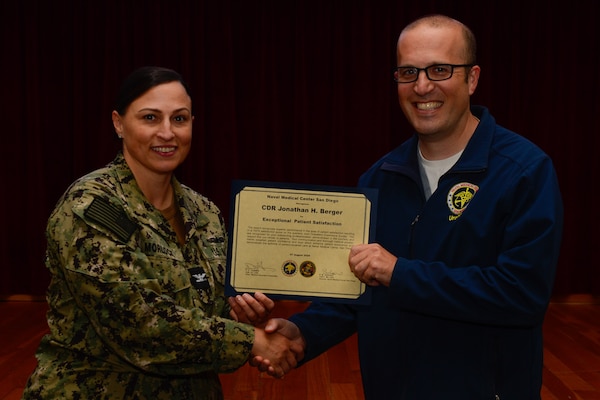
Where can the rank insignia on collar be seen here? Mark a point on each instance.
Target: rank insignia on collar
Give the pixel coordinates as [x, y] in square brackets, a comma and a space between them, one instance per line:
[198, 278]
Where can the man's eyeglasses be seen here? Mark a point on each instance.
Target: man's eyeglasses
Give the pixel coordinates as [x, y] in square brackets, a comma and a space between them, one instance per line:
[435, 72]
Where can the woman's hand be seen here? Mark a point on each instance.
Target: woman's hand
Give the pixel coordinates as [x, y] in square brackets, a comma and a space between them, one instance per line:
[251, 310]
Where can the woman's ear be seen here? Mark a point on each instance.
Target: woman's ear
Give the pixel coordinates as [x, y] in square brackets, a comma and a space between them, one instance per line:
[117, 123]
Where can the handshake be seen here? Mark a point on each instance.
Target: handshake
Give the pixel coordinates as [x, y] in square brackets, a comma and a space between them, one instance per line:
[278, 343]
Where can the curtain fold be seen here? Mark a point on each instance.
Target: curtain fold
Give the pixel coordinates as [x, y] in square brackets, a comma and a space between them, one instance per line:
[295, 91]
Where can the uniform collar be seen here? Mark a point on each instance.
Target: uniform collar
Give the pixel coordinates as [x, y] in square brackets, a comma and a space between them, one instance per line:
[139, 205]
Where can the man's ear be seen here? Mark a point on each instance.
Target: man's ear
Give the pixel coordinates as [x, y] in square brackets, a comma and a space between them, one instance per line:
[473, 78]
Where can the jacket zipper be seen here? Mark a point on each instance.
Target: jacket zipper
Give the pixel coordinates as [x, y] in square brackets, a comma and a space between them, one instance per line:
[412, 228]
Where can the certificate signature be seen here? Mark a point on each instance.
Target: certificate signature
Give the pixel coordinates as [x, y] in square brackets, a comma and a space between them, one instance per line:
[257, 269]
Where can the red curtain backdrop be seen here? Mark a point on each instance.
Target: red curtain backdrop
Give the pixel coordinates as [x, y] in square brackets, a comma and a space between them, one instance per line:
[295, 91]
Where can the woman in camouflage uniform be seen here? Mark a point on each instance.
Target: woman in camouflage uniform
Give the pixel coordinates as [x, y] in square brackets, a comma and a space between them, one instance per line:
[137, 304]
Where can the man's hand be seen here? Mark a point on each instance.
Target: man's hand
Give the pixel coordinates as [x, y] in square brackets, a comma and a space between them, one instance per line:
[278, 365]
[372, 264]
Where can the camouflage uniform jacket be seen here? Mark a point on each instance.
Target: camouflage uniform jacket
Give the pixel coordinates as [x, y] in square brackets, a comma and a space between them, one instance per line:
[134, 315]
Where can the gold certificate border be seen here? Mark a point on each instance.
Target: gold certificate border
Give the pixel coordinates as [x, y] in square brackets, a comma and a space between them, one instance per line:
[294, 242]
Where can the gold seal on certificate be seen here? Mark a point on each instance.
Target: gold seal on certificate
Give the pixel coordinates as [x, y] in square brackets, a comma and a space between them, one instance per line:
[293, 242]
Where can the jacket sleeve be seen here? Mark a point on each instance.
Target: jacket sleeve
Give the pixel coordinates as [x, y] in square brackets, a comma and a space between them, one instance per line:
[324, 325]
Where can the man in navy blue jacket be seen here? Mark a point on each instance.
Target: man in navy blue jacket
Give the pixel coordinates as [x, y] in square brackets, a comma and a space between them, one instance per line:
[469, 225]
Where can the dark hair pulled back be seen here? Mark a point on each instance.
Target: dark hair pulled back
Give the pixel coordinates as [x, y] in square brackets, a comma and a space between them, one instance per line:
[140, 81]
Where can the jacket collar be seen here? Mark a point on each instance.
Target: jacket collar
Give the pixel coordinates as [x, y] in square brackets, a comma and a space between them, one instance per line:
[474, 158]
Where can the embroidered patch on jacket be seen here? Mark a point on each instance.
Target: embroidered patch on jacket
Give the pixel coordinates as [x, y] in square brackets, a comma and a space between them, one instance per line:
[459, 197]
[111, 217]
[198, 278]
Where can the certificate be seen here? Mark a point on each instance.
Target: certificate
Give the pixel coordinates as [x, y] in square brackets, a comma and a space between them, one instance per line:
[293, 242]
